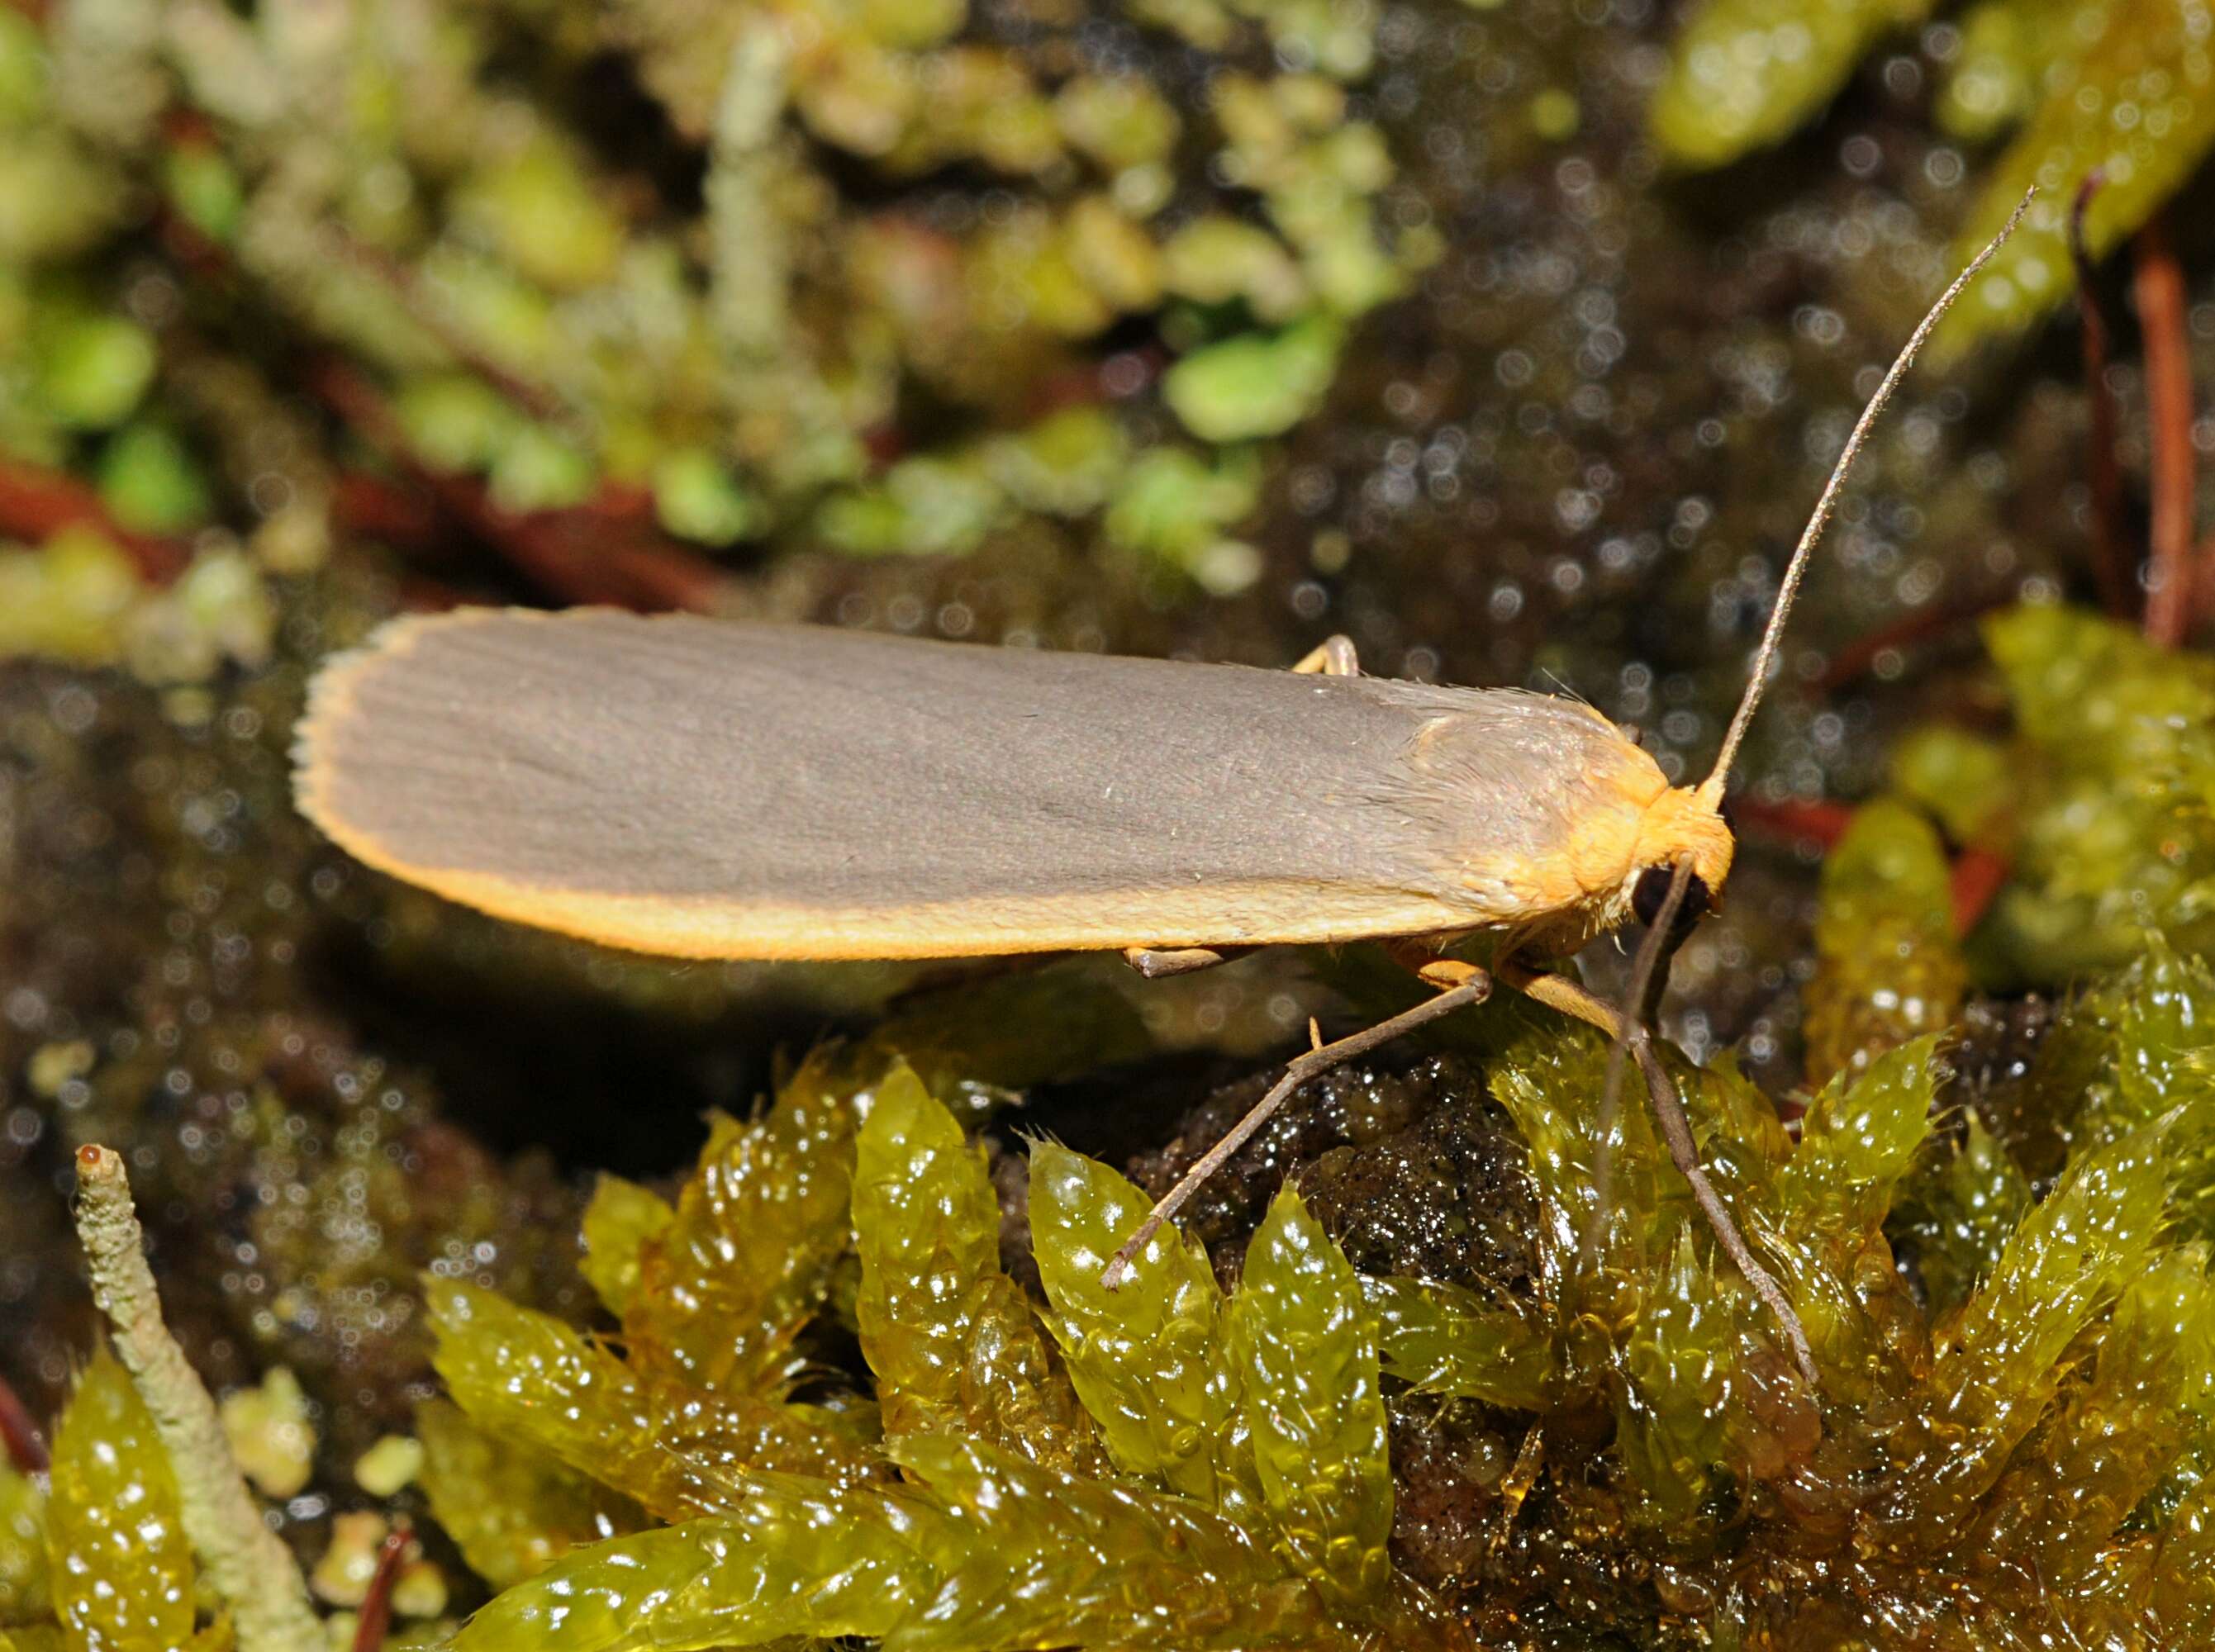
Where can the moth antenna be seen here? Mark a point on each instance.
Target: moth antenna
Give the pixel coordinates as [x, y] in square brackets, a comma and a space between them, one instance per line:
[1764, 659]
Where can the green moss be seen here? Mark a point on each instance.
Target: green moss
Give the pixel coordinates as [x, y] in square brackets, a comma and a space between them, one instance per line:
[1150, 1359]
[2009, 1424]
[1306, 1353]
[726, 1286]
[118, 1567]
[538, 1381]
[1887, 965]
[2114, 830]
[2116, 87]
[622, 1219]
[2128, 96]
[1956, 1214]
[1743, 73]
[1443, 1339]
[511, 1511]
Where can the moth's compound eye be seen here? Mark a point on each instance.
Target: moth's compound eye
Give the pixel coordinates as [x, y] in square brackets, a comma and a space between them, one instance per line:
[1653, 888]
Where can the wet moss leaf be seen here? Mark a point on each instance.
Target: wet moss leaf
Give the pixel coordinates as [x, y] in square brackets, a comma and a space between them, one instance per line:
[2136, 101]
[1053, 1560]
[2115, 833]
[2118, 1432]
[1681, 1359]
[1551, 1079]
[927, 1227]
[119, 1566]
[2071, 1256]
[789, 1555]
[1859, 1138]
[1956, 1214]
[22, 1547]
[1150, 1360]
[1444, 1339]
[749, 1256]
[952, 1340]
[1743, 74]
[511, 1510]
[621, 1219]
[537, 1381]
[1888, 966]
[1307, 1351]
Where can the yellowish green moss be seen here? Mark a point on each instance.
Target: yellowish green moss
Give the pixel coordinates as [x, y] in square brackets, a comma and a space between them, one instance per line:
[2117, 87]
[1886, 967]
[1743, 74]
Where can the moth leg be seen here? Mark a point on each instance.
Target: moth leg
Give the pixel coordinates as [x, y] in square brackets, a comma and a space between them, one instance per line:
[1475, 989]
[1332, 657]
[1155, 963]
[1420, 958]
[1560, 993]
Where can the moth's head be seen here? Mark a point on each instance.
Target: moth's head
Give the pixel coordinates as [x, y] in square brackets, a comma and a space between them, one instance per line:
[1683, 826]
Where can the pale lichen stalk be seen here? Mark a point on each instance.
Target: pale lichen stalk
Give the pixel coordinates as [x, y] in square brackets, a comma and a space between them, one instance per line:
[248, 1564]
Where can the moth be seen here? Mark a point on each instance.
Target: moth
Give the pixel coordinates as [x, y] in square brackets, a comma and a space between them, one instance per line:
[706, 789]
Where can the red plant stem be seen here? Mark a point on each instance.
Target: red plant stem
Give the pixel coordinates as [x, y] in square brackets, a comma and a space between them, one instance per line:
[375, 507]
[2158, 281]
[2111, 557]
[1978, 875]
[1854, 661]
[36, 504]
[27, 1447]
[1792, 821]
[533, 398]
[602, 552]
[376, 1616]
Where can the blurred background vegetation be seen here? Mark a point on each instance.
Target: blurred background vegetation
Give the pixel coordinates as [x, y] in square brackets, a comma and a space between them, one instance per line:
[1511, 339]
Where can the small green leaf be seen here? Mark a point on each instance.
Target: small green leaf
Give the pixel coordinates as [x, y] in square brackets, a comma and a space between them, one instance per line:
[511, 1510]
[1743, 74]
[530, 1377]
[1442, 1339]
[787, 1556]
[927, 1225]
[1307, 1349]
[119, 1566]
[620, 1221]
[1956, 1214]
[759, 1228]
[1055, 1560]
[1255, 384]
[1859, 1138]
[1149, 1359]
[1888, 967]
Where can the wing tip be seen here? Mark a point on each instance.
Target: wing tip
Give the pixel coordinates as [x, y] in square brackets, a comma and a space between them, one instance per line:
[333, 691]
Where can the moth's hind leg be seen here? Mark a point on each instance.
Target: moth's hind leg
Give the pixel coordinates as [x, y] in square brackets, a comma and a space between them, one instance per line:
[1332, 657]
[1473, 989]
[1154, 962]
